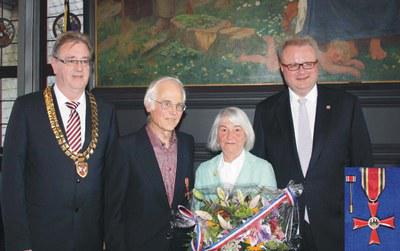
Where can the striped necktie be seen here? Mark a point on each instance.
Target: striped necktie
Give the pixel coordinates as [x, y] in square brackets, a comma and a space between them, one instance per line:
[74, 127]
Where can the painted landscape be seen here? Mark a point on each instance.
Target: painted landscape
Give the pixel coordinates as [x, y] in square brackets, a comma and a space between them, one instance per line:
[225, 42]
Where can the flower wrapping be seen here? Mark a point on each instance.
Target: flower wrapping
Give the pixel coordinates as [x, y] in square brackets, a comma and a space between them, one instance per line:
[244, 219]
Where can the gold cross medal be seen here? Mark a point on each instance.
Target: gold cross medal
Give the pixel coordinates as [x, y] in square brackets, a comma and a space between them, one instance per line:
[82, 167]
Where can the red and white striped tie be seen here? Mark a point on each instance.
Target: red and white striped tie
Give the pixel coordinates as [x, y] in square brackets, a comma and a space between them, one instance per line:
[74, 127]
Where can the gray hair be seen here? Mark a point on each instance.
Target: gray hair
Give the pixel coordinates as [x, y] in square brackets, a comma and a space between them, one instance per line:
[72, 37]
[238, 117]
[151, 91]
[297, 41]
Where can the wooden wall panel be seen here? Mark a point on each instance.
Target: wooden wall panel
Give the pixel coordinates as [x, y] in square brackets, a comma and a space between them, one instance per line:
[380, 102]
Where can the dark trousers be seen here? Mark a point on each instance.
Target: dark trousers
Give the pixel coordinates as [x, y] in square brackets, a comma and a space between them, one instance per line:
[307, 241]
[2, 241]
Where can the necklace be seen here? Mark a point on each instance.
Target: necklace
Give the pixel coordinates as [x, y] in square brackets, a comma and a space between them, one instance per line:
[80, 158]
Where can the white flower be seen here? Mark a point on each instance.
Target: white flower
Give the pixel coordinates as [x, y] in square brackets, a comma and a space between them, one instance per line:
[203, 215]
[240, 197]
[254, 201]
[224, 224]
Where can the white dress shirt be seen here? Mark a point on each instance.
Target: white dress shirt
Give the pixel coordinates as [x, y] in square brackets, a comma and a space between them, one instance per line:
[311, 106]
[65, 111]
[229, 172]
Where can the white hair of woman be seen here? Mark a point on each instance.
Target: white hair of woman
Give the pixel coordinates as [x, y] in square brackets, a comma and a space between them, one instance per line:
[238, 117]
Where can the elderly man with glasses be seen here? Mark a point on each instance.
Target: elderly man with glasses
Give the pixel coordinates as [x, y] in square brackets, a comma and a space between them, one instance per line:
[155, 175]
[309, 133]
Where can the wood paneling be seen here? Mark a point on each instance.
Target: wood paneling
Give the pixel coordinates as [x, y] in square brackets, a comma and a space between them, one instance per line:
[380, 102]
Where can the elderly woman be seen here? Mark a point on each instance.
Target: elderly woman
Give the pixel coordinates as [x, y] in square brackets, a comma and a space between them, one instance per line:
[235, 167]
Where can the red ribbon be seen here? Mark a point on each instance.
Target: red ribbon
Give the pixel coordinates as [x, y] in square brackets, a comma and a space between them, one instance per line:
[373, 182]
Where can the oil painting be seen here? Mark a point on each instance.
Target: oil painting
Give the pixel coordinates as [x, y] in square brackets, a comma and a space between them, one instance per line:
[234, 42]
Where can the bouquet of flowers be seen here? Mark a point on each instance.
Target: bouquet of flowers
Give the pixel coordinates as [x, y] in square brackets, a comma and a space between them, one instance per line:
[244, 219]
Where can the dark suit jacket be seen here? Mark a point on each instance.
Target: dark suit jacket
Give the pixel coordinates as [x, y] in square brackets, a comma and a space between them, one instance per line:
[340, 139]
[139, 215]
[46, 205]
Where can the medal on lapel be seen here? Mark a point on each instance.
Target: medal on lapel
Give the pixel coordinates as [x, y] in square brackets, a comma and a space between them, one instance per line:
[188, 194]
[351, 179]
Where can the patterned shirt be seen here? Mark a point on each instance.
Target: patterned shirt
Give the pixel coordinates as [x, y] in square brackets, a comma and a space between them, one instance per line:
[167, 160]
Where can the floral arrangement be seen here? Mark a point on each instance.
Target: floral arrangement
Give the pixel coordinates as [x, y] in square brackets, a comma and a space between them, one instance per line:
[240, 220]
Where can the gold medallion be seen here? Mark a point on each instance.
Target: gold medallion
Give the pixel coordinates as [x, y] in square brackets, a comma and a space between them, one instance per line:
[82, 168]
[80, 158]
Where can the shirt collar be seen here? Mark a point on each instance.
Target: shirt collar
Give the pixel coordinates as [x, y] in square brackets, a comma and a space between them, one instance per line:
[62, 99]
[156, 142]
[311, 95]
[236, 162]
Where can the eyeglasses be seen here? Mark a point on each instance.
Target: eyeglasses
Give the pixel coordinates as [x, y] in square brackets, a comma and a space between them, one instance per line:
[76, 62]
[168, 105]
[305, 65]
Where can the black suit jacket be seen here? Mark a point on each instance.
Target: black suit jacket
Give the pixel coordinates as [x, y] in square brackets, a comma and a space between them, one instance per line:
[340, 139]
[139, 215]
[46, 205]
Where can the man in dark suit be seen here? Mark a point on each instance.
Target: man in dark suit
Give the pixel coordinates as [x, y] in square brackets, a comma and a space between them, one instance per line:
[155, 175]
[54, 152]
[309, 133]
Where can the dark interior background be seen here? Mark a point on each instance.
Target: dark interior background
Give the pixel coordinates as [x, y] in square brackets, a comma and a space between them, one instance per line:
[380, 102]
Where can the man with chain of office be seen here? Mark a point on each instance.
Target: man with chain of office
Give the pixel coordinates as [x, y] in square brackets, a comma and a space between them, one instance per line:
[55, 147]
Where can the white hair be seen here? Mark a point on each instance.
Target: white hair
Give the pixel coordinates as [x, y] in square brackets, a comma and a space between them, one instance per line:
[238, 117]
[151, 92]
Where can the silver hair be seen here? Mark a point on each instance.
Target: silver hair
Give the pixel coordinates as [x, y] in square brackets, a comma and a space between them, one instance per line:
[151, 91]
[72, 37]
[238, 117]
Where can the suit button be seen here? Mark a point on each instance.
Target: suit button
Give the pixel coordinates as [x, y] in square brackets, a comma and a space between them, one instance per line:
[78, 180]
[168, 236]
[76, 209]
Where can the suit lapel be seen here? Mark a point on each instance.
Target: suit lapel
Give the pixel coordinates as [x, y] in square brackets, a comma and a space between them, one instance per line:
[88, 123]
[214, 169]
[58, 114]
[284, 116]
[149, 166]
[245, 172]
[322, 125]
